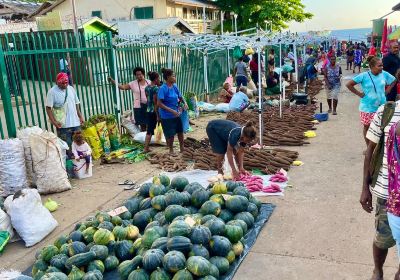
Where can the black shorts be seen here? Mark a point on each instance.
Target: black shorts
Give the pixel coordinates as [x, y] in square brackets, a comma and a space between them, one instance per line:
[151, 122]
[171, 127]
[140, 114]
[218, 145]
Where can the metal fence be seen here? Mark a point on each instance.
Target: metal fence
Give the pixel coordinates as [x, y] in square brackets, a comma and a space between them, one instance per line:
[29, 63]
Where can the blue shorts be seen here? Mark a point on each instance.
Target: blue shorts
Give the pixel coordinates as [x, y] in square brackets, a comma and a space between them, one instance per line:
[394, 223]
[241, 81]
[171, 127]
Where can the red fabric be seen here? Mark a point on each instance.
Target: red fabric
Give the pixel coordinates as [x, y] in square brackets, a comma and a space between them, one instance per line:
[62, 77]
[384, 45]
[372, 51]
[366, 118]
[331, 53]
[253, 66]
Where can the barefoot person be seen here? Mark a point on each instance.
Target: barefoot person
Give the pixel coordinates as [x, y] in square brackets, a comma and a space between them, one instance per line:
[373, 93]
[152, 116]
[377, 183]
[333, 73]
[227, 137]
[171, 104]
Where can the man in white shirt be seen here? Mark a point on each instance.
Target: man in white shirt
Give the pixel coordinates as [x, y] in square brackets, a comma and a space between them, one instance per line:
[63, 97]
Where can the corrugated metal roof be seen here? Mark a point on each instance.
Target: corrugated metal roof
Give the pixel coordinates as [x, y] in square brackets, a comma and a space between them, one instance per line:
[197, 3]
[20, 6]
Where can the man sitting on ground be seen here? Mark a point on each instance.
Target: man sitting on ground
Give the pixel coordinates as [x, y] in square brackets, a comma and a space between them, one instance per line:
[239, 101]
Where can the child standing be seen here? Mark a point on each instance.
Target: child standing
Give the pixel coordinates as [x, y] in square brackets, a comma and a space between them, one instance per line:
[81, 149]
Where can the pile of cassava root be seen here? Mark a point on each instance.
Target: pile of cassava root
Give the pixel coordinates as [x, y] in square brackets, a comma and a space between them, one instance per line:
[167, 162]
[286, 131]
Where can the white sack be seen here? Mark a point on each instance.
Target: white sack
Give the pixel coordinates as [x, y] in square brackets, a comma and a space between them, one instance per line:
[141, 137]
[5, 223]
[128, 123]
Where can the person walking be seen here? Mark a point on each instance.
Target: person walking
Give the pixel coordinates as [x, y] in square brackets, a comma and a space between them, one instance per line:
[228, 137]
[138, 88]
[373, 95]
[381, 183]
[152, 116]
[358, 57]
[254, 68]
[391, 64]
[240, 73]
[333, 74]
[350, 57]
[171, 104]
[62, 108]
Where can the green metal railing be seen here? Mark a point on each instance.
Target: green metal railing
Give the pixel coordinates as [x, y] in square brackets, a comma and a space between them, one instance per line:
[29, 63]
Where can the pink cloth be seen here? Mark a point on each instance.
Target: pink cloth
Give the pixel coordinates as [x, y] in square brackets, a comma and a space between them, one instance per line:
[366, 118]
[393, 202]
[139, 93]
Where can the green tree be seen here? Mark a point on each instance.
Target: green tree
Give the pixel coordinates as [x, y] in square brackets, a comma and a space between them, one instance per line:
[251, 12]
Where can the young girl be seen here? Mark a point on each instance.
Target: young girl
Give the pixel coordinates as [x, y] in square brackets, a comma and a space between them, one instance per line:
[152, 109]
[81, 149]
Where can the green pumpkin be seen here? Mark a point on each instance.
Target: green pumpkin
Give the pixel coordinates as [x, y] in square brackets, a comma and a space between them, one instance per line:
[214, 271]
[226, 215]
[237, 203]
[133, 205]
[139, 274]
[150, 235]
[106, 225]
[40, 274]
[199, 197]
[152, 259]
[179, 183]
[116, 220]
[192, 187]
[200, 235]
[96, 265]
[173, 197]
[199, 250]
[76, 274]
[111, 263]
[221, 263]
[238, 248]
[63, 239]
[132, 232]
[231, 185]
[240, 223]
[141, 219]
[103, 217]
[124, 250]
[173, 211]
[145, 204]
[159, 274]
[48, 252]
[253, 210]
[160, 243]
[120, 233]
[210, 208]
[186, 198]
[101, 251]
[231, 256]
[103, 237]
[179, 228]
[219, 188]
[220, 246]
[183, 274]
[234, 233]
[208, 277]
[254, 200]
[179, 243]
[64, 249]
[54, 276]
[174, 261]
[206, 218]
[192, 210]
[52, 269]
[246, 217]
[198, 266]
[88, 234]
[218, 198]
[59, 261]
[93, 275]
[156, 190]
[216, 226]
[160, 217]
[158, 202]
[144, 189]
[243, 191]
[137, 245]
[125, 216]
[80, 260]
[126, 267]
[76, 236]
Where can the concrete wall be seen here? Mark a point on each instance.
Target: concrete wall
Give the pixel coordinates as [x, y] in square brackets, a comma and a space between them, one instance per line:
[111, 10]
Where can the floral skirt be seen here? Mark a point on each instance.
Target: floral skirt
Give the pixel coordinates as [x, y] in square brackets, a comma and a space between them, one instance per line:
[366, 118]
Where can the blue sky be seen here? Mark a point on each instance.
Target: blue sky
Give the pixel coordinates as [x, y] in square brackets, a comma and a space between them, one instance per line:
[345, 14]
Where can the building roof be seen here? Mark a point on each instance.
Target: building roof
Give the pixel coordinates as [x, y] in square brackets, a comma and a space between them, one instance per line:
[196, 3]
[46, 7]
[152, 26]
[20, 7]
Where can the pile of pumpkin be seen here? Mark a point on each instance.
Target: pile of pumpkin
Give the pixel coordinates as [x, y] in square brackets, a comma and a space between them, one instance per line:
[172, 230]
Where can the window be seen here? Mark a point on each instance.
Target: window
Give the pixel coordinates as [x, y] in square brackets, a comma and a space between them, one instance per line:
[96, 14]
[185, 13]
[143, 13]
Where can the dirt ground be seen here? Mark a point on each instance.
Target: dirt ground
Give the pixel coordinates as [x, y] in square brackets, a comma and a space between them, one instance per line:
[318, 230]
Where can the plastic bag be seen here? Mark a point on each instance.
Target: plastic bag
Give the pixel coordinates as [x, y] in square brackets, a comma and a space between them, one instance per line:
[102, 131]
[48, 163]
[158, 133]
[128, 123]
[113, 132]
[30, 218]
[12, 166]
[237, 53]
[5, 223]
[23, 134]
[222, 107]
[208, 107]
[185, 121]
[91, 137]
[141, 137]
